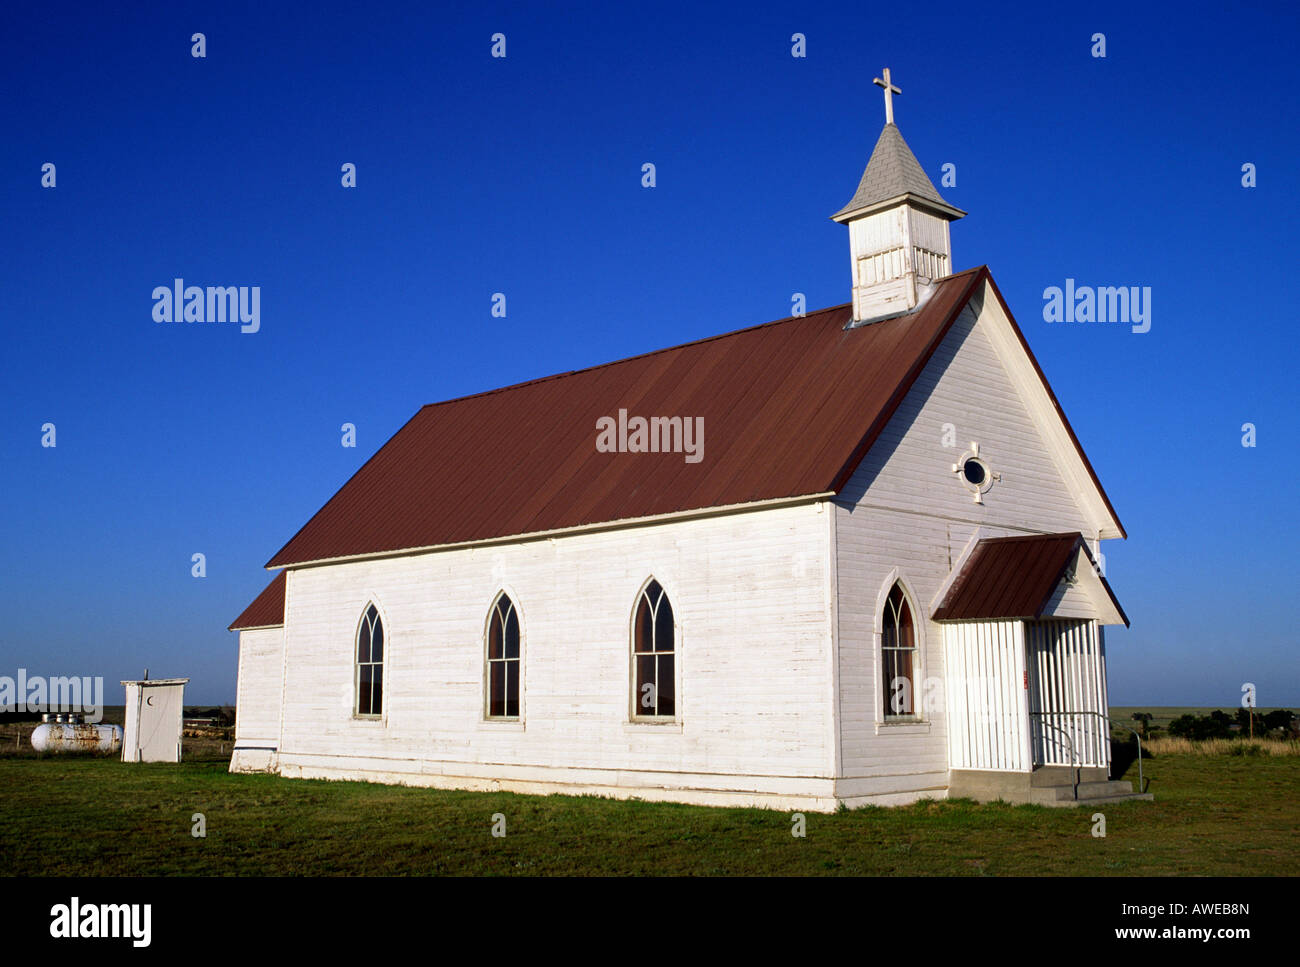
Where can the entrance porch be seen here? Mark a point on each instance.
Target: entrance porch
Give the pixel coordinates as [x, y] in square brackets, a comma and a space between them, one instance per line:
[1025, 674]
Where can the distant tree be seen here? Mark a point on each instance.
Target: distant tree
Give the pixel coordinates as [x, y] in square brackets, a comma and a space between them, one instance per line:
[1216, 725]
[1145, 719]
[1183, 727]
[1279, 718]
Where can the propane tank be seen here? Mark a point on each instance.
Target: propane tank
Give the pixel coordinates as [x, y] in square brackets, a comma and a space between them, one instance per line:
[73, 735]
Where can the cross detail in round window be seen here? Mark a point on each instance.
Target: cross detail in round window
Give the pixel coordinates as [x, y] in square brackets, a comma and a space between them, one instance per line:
[974, 473]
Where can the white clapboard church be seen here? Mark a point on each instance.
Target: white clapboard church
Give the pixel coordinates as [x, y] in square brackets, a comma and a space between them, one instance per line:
[843, 558]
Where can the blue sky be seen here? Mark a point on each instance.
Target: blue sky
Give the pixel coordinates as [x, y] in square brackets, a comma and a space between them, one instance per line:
[522, 175]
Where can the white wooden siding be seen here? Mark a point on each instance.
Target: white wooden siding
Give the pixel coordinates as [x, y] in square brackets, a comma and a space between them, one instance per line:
[1070, 601]
[750, 597]
[966, 385]
[257, 703]
[870, 544]
[987, 705]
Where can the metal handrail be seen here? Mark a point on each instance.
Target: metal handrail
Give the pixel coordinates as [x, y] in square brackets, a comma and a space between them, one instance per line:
[1074, 757]
[1142, 788]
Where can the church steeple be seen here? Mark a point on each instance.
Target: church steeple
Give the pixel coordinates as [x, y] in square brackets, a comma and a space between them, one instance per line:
[898, 227]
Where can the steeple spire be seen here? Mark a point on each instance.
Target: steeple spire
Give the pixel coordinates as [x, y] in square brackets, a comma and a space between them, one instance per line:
[894, 172]
[898, 226]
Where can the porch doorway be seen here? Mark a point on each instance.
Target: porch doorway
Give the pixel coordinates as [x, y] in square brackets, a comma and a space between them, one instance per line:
[1066, 661]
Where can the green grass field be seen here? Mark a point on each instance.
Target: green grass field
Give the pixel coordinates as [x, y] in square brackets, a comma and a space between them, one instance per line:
[99, 817]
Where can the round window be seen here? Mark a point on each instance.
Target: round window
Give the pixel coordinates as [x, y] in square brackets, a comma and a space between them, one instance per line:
[974, 473]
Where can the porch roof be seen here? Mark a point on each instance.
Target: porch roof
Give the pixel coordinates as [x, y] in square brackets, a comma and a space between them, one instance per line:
[1016, 578]
[267, 609]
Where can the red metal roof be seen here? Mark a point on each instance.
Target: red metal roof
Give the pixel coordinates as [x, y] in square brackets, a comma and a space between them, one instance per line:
[789, 409]
[267, 609]
[1013, 578]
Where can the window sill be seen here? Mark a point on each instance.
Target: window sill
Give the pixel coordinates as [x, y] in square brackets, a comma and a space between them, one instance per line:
[903, 728]
[368, 719]
[644, 726]
[501, 725]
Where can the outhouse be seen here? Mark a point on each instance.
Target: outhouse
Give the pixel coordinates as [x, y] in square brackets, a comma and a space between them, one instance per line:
[153, 720]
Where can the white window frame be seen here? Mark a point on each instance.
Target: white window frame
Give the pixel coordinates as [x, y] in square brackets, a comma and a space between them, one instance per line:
[488, 661]
[917, 720]
[634, 715]
[382, 663]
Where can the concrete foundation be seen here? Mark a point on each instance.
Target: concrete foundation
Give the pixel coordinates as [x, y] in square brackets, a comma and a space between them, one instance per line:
[1045, 785]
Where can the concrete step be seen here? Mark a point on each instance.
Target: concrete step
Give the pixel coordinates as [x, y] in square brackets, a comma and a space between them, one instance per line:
[1099, 800]
[1048, 776]
[1086, 790]
[1112, 790]
[1014, 787]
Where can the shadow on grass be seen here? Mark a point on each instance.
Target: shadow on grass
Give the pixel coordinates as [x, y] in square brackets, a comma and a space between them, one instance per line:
[1124, 757]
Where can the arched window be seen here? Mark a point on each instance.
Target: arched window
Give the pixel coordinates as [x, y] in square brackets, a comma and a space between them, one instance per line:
[653, 635]
[503, 660]
[898, 655]
[370, 664]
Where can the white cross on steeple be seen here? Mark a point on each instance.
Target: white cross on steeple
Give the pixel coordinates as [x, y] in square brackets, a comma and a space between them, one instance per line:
[890, 91]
